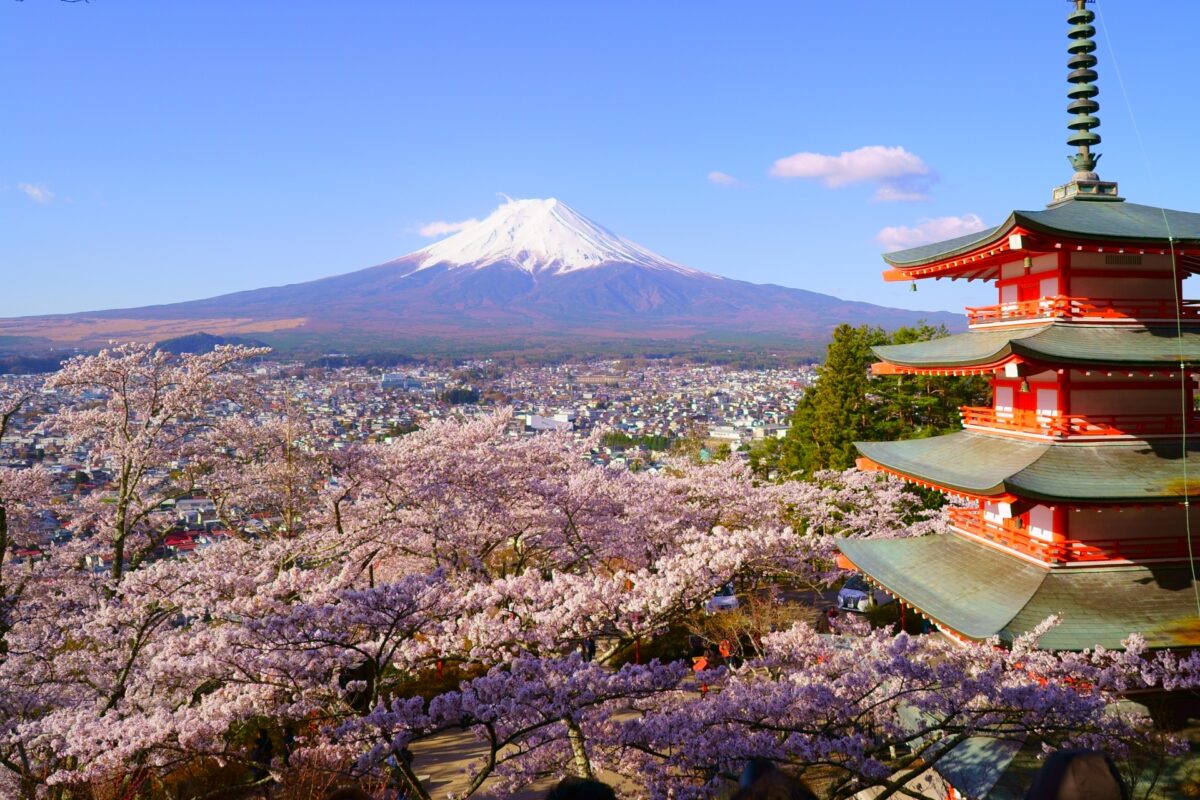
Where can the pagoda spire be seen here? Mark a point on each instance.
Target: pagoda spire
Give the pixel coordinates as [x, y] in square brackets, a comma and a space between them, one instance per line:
[1085, 183]
[1083, 91]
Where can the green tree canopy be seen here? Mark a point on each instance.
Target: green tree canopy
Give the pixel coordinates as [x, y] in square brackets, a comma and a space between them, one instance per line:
[848, 404]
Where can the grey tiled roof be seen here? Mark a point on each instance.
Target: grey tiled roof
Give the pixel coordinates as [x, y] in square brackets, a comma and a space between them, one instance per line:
[981, 592]
[982, 766]
[971, 589]
[1074, 218]
[1059, 343]
[965, 461]
[980, 464]
[915, 256]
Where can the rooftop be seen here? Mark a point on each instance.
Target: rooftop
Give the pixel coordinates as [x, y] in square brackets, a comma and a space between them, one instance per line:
[982, 465]
[1055, 343]
[1102, 221]
[979, 592]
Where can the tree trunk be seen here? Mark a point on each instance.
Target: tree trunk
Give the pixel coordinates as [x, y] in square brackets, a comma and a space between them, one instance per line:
[583, 765]
[408, 780]
[123, 501]
[4, 617]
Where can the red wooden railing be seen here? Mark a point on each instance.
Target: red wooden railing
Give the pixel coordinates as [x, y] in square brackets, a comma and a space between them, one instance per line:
[1063, 426]
[1010, 534]
[1063, 307]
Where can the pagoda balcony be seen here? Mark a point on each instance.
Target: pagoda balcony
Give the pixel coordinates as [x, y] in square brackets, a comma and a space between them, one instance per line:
[1083, 309]
[1077, 426]
[1011, 535]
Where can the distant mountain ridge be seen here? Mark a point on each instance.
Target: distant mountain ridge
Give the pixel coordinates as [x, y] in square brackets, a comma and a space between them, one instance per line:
[533, 273]
[203, 342]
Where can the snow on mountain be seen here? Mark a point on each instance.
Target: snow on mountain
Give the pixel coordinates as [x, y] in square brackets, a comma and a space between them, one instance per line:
[541, 236]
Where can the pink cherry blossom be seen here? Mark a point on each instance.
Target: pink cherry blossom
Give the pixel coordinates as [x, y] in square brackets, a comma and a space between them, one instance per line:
[462, 550]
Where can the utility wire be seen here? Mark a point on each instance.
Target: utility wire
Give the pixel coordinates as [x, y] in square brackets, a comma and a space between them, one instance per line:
[1184, 394]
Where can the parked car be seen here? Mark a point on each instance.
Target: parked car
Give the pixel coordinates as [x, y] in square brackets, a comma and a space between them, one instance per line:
[723, 600]
[857, 595]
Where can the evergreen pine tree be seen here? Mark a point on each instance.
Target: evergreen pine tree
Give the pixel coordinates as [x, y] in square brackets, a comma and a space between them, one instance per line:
[847, 404]
[835, 412]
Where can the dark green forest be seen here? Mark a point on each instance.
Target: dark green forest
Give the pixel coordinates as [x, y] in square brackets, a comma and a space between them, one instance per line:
[848, 404]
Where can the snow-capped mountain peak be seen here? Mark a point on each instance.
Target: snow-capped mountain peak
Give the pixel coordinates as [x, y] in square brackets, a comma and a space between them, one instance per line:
[541, 236]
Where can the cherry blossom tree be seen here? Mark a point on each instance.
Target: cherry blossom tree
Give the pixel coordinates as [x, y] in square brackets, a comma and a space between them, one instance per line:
[143, 419]
[522, 562]
[271, 465]
[77, 643]
[462, 579]
[876, 710]
[23, 492]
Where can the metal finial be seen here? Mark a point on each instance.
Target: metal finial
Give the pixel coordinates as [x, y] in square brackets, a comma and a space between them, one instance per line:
[1085, 184]
[1083, 91]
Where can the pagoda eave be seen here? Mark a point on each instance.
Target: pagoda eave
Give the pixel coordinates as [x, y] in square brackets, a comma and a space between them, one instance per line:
[985, 263]
[977, 593]
[1129, 347]
[998, 469]
[996, 495]
[1074, 226]
[888, 368]
[979, 263]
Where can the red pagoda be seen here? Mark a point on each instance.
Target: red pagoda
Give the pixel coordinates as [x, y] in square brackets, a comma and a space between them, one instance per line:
[1079, 475]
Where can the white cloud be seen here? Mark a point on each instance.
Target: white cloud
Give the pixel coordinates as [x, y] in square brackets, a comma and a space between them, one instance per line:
[441, 228]
[723, 179]
[36, 192]
[901, 237]
[899, 193]
[898, 174]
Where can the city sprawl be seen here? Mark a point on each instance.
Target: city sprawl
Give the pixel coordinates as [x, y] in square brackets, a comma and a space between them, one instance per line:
[633, 412]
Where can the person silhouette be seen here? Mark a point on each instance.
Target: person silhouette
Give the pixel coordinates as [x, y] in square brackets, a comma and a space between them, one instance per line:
[762, 780]
[1078, 775]
[574, 788]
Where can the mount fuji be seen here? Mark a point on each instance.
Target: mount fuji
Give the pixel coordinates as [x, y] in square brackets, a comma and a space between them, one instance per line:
[533, 274]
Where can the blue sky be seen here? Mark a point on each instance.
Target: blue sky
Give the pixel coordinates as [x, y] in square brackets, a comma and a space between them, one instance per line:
[164, 151]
